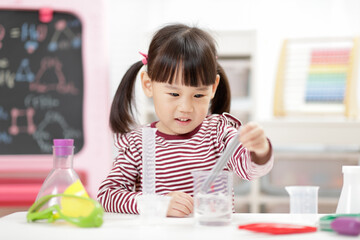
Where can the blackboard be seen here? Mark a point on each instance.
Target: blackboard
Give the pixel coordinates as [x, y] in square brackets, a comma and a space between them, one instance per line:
[41, 81]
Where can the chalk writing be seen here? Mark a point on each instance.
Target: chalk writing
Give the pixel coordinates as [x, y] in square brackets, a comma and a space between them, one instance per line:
[29, 32]
[41, 85]
[41, 101]
[56, 120]
[15, 32]
[41, 81]
[7, 78]
[29, 128]
[2, 34]
[31, 35]
[71, 39]
[4, 63]
[3, 115]
[5, 138]
[24, 73]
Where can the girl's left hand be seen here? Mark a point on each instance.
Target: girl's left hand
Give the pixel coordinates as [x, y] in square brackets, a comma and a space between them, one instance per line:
[252, 137]
[181, 204]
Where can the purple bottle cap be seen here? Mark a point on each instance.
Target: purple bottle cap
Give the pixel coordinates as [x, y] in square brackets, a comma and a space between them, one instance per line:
[63, 142]
[346, 226]
[63, 147]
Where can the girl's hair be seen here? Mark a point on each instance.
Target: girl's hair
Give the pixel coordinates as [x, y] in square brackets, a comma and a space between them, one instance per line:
[174, 49]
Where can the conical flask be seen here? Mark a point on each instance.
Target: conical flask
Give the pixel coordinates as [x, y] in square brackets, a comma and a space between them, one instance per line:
[349, 201]
[62, 174]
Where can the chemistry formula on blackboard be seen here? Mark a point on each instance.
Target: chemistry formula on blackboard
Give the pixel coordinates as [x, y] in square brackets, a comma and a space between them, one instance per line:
[41, 81]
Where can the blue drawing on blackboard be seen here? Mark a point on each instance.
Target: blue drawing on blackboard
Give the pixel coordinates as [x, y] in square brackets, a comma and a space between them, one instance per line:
[31, 46]
[61, 86]
[5, 138]
[74, 23]
[16, 113]
[71, 40]
[3, 115]
[76, 42]
[24, 73]
[29, 32]
[31, 35]
[55, 119]
[52, 46]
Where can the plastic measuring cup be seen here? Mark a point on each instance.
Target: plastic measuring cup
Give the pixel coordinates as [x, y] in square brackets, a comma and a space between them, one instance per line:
[303, 199]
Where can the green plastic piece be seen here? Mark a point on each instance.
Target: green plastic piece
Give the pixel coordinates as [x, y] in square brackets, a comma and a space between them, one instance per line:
[54, 212]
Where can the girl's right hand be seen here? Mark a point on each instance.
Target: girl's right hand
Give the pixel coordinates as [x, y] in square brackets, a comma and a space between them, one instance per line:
[181, 204]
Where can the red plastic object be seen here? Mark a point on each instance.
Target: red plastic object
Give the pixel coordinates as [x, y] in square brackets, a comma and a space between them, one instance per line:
[45, 15]
[277, 228]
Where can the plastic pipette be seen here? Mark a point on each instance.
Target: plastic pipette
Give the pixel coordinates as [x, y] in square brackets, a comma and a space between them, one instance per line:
[221, 163]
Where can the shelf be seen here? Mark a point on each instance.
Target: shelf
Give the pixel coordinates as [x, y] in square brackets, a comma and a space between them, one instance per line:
[307, 132]
[268, 199]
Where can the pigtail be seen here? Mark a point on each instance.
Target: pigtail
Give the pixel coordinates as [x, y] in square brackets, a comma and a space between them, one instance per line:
[221, 101]
[121, 113]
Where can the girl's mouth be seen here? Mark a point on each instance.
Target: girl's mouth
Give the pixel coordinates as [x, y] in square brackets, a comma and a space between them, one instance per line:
[183, 121]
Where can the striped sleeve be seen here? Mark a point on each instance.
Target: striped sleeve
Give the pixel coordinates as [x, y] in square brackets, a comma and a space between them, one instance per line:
[240, 162]
[117, 193]
[256, 170]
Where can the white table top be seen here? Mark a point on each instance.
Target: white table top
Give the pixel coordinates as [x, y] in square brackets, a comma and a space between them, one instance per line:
[132, 227]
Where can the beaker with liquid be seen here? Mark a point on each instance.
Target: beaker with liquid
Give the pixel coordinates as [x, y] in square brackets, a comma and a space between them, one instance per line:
[214, 206]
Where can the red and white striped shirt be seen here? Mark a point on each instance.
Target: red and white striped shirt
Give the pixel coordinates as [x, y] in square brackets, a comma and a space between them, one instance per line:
[177, 156]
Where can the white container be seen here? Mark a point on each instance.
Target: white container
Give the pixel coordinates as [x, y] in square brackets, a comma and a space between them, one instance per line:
[303, 199]
[153, 208]
[349, 201]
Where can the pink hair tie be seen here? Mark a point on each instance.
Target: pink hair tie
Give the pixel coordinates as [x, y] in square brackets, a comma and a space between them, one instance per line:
[145, 59]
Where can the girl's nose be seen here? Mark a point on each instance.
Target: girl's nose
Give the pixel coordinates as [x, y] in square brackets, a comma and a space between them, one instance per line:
[186, 106]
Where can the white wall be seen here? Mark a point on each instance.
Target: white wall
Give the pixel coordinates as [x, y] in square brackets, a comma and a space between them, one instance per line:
[131, 22]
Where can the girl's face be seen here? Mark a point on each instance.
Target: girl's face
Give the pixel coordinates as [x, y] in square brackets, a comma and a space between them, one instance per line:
[180, 108]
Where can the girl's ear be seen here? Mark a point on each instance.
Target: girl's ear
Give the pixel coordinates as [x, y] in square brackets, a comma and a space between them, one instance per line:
[215, 85]
[146, 84]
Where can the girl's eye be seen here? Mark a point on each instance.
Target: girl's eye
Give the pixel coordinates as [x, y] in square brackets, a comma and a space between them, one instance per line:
[198, 95]
[174, 94]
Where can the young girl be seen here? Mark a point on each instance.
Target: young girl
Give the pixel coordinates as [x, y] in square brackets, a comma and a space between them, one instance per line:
[191, 96]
